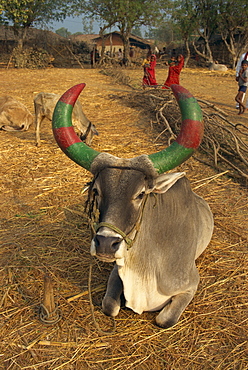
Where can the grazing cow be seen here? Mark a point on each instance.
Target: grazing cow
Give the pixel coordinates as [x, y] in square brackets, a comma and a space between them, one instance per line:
[14, 116]
[150, 223]
[217, 67]
[44, 104]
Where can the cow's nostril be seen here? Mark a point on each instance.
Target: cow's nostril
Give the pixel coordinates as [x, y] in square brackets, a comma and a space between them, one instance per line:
[116, 245]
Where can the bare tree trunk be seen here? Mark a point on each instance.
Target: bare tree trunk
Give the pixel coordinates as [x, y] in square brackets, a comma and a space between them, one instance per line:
[101, 33]
[207, 55]
[187, 53]
[126, 48]
[22, 35]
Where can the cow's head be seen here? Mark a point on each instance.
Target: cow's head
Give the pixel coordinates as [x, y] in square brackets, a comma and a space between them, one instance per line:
[121, 186]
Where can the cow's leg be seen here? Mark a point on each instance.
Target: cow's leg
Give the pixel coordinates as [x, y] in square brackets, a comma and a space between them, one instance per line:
[170, 314]
[111, 302]
[38, 121]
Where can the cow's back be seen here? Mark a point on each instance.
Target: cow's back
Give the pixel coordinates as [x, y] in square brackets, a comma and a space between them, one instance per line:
[44, 104]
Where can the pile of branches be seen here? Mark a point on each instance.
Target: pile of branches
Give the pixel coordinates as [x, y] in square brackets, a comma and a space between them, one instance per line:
[31, 58]
[224, 145]
[117, 74]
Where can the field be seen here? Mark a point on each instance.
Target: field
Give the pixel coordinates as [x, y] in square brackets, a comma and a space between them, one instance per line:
[44, 230]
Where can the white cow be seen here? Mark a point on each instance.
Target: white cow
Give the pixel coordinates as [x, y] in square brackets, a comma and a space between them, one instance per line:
[217, 67]
[44, 104]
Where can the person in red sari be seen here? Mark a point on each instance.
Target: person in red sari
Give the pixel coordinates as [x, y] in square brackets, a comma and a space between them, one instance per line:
[149, 78]
[175, 68]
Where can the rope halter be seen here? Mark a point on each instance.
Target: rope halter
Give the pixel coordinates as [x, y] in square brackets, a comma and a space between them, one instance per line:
[129, 242]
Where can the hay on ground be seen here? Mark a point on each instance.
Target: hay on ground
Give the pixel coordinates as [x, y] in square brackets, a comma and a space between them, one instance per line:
[44, 231]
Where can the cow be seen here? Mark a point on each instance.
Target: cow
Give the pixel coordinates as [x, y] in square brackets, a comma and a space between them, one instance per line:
[217, 67]
[44, 104]
[149, 222]
[14, 116]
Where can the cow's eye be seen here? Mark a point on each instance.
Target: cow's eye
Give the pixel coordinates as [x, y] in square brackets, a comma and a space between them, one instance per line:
[141, 195]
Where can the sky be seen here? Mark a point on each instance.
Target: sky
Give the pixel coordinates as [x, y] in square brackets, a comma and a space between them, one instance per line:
[73, 25]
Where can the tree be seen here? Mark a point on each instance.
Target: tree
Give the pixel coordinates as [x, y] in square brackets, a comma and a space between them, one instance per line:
[88, 25]
[233, 26]
[22, 14]
[125, 14]
[164, 32]
[227, 18]
[203, 15]
[63, 32]
[184, 17]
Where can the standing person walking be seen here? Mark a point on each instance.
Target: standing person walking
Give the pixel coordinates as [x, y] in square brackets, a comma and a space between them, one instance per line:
[244, 56]
[243, 83]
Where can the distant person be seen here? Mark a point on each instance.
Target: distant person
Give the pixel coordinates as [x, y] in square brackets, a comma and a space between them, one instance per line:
[243, 83]
[149, 65]
[175, 67]
[244, 56]
[132, 52]
[163, 52]
[120, 57]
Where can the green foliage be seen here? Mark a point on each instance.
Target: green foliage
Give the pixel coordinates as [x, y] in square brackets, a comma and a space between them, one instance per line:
[166, 32]
[233, 26]
[77, 33]
[124, 14]
[24, 13]
[63, 32]
[88, 25]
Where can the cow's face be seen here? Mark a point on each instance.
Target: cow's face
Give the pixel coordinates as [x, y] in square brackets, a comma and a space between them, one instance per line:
[119, 196]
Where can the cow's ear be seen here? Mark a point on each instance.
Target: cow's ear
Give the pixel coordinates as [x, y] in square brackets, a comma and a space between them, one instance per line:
[165, 181]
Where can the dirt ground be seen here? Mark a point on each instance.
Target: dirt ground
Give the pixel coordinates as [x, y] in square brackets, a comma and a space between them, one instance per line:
[44, 230]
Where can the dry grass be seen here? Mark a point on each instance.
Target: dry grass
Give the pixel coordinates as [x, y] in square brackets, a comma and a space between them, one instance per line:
[44, 229]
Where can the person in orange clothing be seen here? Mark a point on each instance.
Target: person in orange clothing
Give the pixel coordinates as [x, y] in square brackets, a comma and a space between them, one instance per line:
[175, 68]
[149, 65]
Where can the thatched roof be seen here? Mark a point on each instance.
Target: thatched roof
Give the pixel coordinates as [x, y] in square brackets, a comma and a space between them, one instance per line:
[93, 38]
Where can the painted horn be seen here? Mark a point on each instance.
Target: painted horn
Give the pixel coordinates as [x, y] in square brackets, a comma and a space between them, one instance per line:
[64, 132]
[179, 151]
[189, 137]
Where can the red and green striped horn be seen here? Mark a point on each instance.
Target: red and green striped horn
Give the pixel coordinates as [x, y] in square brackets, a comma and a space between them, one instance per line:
[189, 137]
[179, 151]
[64, 132]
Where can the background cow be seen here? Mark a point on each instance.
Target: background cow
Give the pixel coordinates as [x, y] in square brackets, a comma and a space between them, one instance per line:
[217, 67]
[44, 104]
[14, 116]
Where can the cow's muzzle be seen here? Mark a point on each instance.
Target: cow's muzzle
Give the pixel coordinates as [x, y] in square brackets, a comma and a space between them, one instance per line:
[106, 246]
